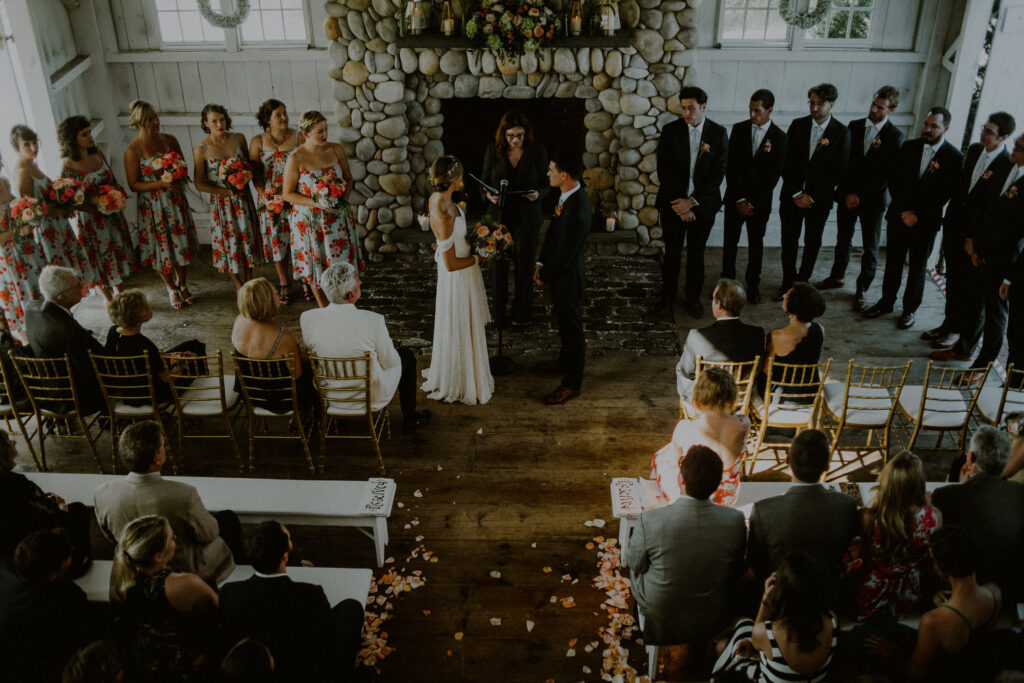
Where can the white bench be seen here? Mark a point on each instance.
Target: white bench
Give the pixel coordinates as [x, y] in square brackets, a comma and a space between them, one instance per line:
[338, 583]
[365, 505]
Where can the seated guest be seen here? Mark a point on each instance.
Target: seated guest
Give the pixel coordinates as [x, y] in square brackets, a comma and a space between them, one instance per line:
[1014, 469]
[343, 331]
[53, 332]
[890, 558]
[991, 508]
[794, 634]
[953, 640]
[257, 334]
[684, 595]
[808, 517]
[308, 637]
[24, 508]
[249, 661]
[97, 662]
[43, 615]
[714, 397]
[726, 339]
[129, 310]
[169, 614]
[202, 548]
[799, 342]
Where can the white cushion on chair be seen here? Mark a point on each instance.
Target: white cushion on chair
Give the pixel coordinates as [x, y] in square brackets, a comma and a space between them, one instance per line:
[988, 402]
[866, 405]
[130, 410]
[910, 402]
[263, 412]
[208, 388]
[789, 414]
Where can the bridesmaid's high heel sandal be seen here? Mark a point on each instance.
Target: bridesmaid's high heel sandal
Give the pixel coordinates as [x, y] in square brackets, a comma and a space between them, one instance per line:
[283, 296]
[175, 296]
[187, 296]
[307, 292]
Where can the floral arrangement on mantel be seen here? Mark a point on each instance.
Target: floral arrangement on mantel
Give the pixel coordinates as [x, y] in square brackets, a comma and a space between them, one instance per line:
[513, 27]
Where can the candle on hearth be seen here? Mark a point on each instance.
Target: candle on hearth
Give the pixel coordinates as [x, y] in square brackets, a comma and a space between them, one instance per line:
[609, 224]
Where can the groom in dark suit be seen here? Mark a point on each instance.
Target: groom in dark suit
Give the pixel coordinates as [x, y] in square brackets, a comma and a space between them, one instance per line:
[561, 267]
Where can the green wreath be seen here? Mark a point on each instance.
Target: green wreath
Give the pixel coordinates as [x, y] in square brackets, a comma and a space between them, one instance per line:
[804, 19]
[225, 20]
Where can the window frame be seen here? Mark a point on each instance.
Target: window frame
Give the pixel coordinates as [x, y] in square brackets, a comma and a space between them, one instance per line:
[153, 19]
[233, 41]
[876, 14]
[306, 41]
[750, 42]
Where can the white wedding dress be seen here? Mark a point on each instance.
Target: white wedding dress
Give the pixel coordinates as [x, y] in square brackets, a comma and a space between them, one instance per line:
[459, 366]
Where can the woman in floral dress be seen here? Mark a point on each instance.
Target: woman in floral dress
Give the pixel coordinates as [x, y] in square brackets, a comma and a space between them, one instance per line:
[219, 165]
[52, 232]
[167, 235]
[268, 154]
[20, 263]
[106, 240]
[321, 236]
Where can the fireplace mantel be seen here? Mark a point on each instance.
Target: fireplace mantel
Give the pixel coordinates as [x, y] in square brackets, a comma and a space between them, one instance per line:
[434, 40]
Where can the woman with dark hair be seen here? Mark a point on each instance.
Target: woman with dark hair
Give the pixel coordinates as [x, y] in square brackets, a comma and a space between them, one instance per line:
[21, 260]
[219, 162]
[268, 154]
[167, 235]
[516, 159]
[105, 239]
[323, 228]
[799, 342]
[52, 232]
[794, 634]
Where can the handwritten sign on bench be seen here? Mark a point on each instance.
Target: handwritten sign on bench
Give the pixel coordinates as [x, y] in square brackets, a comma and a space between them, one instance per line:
[375, 496]
[625, 498]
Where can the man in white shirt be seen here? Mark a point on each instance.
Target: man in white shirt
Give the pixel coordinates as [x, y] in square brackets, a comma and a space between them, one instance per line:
[343, 331]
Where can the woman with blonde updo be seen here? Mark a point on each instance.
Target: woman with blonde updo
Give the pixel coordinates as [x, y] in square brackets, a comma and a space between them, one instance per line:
[173, 614]
[459, 366]
[167, 235]
[323, 232]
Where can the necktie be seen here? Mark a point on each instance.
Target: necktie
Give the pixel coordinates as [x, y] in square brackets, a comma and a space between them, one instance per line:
[1011, 179]
[979, 168]
[869, 135]
[816, 132]
[926, 157]
[694, 150]
[755, 143]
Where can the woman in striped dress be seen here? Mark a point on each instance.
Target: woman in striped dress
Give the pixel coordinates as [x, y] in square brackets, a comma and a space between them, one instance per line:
[268, 153]
[20, 263]
[105, 239]
[795, 633]
[220, 165]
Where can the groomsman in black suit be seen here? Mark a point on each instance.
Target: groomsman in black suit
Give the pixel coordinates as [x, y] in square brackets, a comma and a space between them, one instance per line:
[562, 268]
[874, 144]
[691, 164]
[757, 148]
[817, 147]
[985, 167]
[927, 170]
[1015, 332]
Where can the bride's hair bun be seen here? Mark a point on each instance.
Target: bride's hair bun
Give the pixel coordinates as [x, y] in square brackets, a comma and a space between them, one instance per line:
[444, 172]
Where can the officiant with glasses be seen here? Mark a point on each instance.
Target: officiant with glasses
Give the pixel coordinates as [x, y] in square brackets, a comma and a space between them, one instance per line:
[517, 167]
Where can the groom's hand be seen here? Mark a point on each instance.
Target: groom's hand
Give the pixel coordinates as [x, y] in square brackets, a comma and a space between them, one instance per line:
[536, 276]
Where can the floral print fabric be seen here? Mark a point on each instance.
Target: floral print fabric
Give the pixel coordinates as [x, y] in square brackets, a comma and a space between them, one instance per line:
[167, 235]
[274, 227]
[106, 240]
[320, 238]
[233, 231]
[57, 241]
[20, 263]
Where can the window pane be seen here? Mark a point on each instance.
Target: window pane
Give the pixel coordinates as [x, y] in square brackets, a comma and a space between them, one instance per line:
[273, 29]
[252, 29]
[840, 3]
[818, 30]
[732, 24]
[191, 27]
[837, 25]
[759, 4]
[860, 24]
[755, 25]
[294, 25]
[735, 3]
[165, 5]
[271, 4]
[774, 4]
[291, 4]
[170, 30]
[776, 27]
[864, 3]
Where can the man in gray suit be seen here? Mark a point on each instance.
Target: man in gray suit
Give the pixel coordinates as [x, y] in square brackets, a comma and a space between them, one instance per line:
[807, 517]
[687, 557]
[726, 339]
[202, 548]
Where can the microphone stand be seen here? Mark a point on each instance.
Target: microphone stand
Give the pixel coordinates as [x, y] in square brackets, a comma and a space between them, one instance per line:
[501, 364]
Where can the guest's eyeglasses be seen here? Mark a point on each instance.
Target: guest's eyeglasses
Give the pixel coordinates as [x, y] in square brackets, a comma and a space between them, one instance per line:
[515, 136]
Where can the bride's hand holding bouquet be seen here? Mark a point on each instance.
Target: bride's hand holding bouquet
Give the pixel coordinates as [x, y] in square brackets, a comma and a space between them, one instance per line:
[490, 242]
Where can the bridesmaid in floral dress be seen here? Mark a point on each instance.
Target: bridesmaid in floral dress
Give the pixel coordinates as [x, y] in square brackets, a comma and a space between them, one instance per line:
[268, 153]
[20, 263]
[106, 240]
[52, 232]
[167, 235]
[234, 230]
[321, 236]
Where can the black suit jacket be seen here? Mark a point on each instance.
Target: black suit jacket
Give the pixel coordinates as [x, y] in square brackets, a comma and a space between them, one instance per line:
[291, 618]
[807, 517]
[817, 174]
[993, 510]
[754, 176]
[999, 235]
[53, 332]
[674, 167]
[565, 242]
[722, 340]
[530, 173]
[867, 174]
[967, 206]
[924, 194]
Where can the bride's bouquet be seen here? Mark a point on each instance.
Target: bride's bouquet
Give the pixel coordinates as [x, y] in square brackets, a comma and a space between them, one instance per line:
[329, 191]
[490, 242]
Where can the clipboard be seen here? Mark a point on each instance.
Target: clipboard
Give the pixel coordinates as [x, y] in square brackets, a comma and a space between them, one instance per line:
[494, 190]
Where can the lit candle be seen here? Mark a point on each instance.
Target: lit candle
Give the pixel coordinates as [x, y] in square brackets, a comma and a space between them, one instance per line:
[424, 222]
[448, 26]
[609, 224]
[576, 26]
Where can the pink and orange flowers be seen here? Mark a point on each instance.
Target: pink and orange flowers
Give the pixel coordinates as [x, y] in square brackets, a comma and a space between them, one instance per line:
[490, 241]
[329, 191]
[109, 199]
[169, 168]
[233, 172]
[27, 210]
[66, 191]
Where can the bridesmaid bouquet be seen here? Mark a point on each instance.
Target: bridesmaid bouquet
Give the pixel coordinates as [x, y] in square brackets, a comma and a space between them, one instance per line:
[27, 210]
[66, 191]
[329, 192]
[233, 172]
[109, 199]
[490, 242]
[270, 198]
[169, 168]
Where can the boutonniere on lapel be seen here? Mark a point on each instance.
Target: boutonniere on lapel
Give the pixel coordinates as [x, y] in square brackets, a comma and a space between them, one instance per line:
[986, 175]
[876, 143]
[558, 210]
[767, 146]
[932, 167]
[822, 142]
[704, 148]
[1011, 193]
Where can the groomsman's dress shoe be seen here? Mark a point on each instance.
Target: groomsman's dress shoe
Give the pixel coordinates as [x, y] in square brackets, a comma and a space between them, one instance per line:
[948, 354]
[663, 306]
[560, 396]
[860, 302]
[781, 293]
[551, 367]
[906, 321]
[878, 310]
[946, 340]
[935, 333]
[696, 309]
[829, 283]
[421, 418]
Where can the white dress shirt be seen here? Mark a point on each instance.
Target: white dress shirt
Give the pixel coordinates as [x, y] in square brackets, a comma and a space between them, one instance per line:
[694, 132]
[871, 131]
[1011, 178]
[817, 133]
[758, 133]
[985, 160]
[927, 154]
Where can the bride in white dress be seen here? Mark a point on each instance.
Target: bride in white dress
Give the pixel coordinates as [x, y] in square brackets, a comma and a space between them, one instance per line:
[459, 366]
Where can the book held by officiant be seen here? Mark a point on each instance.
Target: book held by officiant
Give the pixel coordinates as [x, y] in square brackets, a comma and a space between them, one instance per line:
[494, 190]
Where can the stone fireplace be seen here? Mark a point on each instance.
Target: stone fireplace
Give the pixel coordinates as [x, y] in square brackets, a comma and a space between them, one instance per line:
[392, 93]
